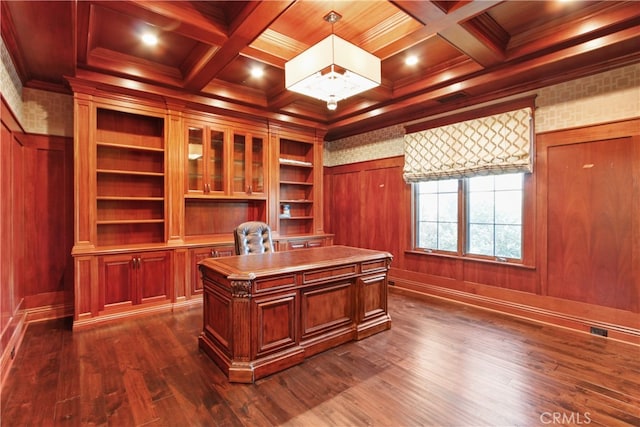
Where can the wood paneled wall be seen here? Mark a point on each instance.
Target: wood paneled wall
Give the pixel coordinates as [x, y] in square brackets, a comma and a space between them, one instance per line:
[366, 205]
[584, 269]
[47, 181]
[12, 319]
[36, 231]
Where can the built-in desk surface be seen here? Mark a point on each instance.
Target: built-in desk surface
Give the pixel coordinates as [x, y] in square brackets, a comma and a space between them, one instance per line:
[267, 312]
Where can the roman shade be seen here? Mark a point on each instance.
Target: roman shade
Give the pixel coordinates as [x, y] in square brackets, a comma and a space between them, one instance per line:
[496, 144]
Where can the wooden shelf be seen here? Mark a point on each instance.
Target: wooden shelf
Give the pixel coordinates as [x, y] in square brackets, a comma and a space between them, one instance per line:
[132, 198]
[296, 183]
[128, 172]
[223, 198]
[296, 217]
[132, 221]
[129, 147]
[294, 163]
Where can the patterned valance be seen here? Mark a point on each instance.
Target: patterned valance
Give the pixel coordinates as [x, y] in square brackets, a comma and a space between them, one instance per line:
[497, 144]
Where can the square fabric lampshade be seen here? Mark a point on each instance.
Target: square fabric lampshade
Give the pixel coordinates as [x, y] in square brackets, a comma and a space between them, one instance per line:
[332, 70]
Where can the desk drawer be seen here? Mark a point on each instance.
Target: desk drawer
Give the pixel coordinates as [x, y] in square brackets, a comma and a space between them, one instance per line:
[374, 265]
[329, 273]
[273, 283]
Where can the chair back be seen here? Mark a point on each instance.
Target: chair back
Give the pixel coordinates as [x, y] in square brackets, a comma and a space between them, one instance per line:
[252, 237]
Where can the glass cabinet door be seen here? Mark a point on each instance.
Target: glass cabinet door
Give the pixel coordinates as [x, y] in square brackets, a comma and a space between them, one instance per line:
[216, 161]
[248, 164]
[220, 165]
[239, 163]
[257, 165]
[195, 165]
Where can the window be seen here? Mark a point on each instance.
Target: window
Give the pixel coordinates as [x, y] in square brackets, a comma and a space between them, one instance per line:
[473, 216]
[438, 215]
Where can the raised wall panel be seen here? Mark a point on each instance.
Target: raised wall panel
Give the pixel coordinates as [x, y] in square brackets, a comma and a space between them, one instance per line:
[48, 196]
[591, 214]
[382, 214]
[346, 203]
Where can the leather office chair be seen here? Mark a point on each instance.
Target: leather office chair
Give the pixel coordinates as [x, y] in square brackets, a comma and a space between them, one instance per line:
[252, 237]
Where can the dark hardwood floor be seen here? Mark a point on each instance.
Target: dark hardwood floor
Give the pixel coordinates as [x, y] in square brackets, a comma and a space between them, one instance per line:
[441, 364]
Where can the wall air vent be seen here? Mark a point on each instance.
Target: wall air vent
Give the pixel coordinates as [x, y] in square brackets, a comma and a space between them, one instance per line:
[453, 97]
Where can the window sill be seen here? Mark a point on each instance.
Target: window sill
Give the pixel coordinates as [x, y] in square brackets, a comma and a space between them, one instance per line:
[471, 259]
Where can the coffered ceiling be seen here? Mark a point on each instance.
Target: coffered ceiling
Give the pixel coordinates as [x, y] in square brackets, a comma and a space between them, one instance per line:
[468, 51]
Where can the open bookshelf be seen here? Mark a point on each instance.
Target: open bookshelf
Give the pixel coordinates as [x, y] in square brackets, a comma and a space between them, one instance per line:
[296, 199]
[130, 178]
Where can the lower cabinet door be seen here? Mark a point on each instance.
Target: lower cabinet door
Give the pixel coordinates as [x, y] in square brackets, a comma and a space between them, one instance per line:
[197, 255]
[116, 281]
[154, 276]
[133, 278]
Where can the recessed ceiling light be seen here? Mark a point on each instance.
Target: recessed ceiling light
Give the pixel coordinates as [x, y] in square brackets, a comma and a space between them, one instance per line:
[149, 39]
[257, 72]
[411, 60]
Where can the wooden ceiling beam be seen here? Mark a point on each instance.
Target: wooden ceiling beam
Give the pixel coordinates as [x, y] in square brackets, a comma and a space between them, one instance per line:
[264, 57]
[247, 27]
[435, 21]
[136, 67]
[603, 17]
[179, 17]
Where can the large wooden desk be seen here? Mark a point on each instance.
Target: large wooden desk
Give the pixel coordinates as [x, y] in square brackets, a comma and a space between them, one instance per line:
[267, 312]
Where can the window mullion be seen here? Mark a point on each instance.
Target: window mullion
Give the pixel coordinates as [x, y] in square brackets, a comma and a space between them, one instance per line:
[462, 216]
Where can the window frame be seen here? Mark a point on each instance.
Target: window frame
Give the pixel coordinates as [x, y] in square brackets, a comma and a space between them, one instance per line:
[528, 227]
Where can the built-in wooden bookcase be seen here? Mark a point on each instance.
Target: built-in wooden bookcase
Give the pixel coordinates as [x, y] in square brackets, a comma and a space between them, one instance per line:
[130, 178]
[226, 179]
[296, 187]
[157, 188]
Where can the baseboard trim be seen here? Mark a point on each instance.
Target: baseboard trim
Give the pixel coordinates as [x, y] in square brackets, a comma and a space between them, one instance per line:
[49, 312]
[19, 326]
[617, 332]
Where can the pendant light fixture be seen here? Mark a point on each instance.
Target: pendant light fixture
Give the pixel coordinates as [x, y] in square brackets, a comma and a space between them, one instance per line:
[333, 69]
